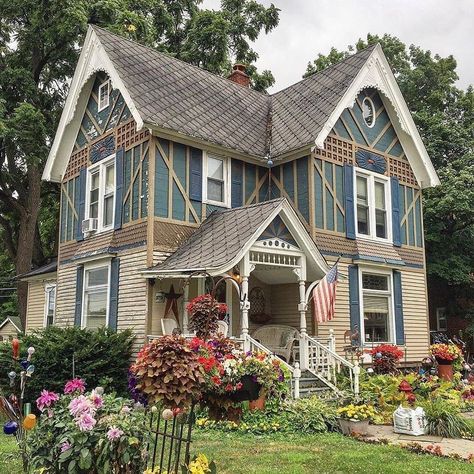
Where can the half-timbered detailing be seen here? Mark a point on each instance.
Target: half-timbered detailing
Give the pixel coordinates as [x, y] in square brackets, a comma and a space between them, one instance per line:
[410, 216]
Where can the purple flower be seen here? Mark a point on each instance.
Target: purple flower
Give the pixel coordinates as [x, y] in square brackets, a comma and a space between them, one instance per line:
[114, 433]
[86, 422]
[96, 399]
[46, 399]
[81, 405]
[65, 446]
[75, 385]
[134, 392]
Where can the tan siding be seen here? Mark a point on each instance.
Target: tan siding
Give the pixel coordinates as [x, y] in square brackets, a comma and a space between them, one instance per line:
[8, 331]
[284, 305]
[36, 305]
[66, 295]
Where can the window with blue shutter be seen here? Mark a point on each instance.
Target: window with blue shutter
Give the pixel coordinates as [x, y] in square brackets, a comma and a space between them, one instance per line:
[118, 188]
[79, 293]
[396, 233]
[114, 291]
[349, 201]
[354, 301]
[195, 175]
[237, 191]
[398, 300]
[81, 203]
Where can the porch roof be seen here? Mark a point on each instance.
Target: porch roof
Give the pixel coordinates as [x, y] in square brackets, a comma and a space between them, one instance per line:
[225, 236]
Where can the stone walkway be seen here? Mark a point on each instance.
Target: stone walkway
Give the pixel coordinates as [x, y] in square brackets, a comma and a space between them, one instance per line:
[462, 447]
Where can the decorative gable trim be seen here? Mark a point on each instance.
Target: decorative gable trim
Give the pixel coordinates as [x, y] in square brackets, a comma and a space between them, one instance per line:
[93, 59]
[376, 73]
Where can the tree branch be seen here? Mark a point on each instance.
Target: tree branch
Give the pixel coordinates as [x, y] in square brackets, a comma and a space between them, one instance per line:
[8, 238]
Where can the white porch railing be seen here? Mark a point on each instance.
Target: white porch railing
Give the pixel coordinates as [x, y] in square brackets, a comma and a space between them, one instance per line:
[325, 363]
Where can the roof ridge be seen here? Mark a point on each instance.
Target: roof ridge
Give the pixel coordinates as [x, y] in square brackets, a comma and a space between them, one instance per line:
[167, 55]
[367, 49]
[247, 206]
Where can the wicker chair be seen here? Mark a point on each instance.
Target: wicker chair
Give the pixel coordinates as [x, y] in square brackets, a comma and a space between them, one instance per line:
[278, 339]
[168, 325]
[223, 328]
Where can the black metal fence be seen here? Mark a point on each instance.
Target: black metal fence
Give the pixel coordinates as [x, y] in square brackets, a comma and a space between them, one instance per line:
[170, 441]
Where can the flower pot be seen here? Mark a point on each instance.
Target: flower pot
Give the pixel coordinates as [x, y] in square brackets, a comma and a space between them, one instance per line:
[258, 404]
[350, 427]
[250, 390]
[445, 370]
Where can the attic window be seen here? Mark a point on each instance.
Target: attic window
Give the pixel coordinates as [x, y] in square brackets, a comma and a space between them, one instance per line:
[104, 93]
[368, 112]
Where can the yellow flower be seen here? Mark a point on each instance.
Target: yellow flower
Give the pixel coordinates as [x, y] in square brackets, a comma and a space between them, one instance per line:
[131, 28]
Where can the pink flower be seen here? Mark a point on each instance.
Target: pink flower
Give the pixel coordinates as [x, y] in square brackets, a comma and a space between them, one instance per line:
[96, 399]
[86, 422]
[46, 399]
[114, 433]
[125, 410]
[74, 385]
[81, 405]
[65, 446]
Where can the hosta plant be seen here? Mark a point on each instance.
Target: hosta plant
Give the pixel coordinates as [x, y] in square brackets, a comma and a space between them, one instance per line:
[168, 371]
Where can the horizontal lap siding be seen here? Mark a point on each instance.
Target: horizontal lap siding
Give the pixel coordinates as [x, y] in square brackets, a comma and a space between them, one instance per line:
[284, 305]
[66, 295]
[36, 306]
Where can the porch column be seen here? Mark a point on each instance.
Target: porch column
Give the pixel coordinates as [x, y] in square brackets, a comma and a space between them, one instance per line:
[302, 307]
[185, 311]
[245, 269]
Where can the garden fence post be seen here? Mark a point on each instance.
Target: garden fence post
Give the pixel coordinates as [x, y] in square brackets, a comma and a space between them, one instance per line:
[296, 378]
[356, 371]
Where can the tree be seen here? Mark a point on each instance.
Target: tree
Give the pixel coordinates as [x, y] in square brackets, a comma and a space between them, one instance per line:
[444, 115]
[39, 47]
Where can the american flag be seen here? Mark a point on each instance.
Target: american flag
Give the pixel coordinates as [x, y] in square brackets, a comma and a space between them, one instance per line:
[324, 297]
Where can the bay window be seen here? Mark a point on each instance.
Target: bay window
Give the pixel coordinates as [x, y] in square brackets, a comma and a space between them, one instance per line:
[372, 198]
[96, 296]
[376, 307]
[101, 194]
[216, 180]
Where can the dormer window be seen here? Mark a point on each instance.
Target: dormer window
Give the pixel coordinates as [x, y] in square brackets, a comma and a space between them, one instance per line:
[368, 112]
[216, 182]
[104, 95]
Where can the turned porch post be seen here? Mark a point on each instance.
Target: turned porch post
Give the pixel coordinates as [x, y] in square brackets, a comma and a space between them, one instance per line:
[185, 304]
[302, 307]
[245, 270]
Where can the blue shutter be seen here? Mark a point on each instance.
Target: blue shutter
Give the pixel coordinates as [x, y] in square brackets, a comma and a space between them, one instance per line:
[195, 175]
[398, 299]
[114, 290]
[79, 288]
[82, 203]
[354, 304]
[118, 189]
[394, 187]
[237, 191]
[349, 201]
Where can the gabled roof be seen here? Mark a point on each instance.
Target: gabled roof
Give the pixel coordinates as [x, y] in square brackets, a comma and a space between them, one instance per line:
[225, 236]
[176, 98]
[43, 270]
[15, 320]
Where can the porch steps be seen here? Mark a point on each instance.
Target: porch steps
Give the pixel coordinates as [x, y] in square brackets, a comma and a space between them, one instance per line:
[311, 385]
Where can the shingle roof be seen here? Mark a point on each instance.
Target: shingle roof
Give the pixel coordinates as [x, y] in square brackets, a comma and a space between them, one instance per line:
[178, 96]
[48, 268]
[15, 320]
[206, 249]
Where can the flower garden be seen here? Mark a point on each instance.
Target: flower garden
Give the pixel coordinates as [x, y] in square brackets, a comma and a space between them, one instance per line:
[207, 388]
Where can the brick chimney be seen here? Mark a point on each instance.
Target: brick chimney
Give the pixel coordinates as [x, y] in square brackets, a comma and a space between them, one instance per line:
[239, 76]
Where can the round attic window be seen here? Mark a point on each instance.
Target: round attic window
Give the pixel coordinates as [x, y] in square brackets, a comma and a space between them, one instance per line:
[368, 112]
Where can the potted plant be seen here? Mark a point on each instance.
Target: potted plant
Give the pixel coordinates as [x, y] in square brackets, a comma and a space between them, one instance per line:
[204, 312]
[354, 419]
[446, 355]
[386, 358]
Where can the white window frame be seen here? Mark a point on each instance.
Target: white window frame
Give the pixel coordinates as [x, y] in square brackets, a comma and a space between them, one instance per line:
[372, 177]
[226, 175]
[91, 266]
[391, 305]
[47, 291]
[441, 312]
[102, 106]
[374, 117]
[102, 166]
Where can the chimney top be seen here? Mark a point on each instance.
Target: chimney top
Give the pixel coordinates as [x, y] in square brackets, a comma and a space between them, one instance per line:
[239, 76]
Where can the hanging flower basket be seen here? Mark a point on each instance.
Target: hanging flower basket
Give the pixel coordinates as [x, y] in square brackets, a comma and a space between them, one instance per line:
[250, 390]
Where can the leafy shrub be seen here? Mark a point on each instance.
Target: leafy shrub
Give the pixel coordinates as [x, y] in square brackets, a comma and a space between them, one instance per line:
[168, 371]
[386, 358]
[204, 312]
[444, 419]
[312, 415]
[88, 432]
[101, 358]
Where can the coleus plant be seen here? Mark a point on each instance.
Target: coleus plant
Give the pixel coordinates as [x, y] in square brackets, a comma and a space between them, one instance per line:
[204, 312]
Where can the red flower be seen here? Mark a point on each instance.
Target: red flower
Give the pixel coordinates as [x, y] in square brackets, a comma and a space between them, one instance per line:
[216, 380]
[228, 387]
[238, 386]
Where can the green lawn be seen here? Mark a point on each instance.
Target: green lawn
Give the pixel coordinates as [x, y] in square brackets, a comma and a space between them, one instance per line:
[291, 454]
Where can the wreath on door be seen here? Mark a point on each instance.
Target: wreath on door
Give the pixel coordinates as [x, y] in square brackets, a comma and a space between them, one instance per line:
[257, 306]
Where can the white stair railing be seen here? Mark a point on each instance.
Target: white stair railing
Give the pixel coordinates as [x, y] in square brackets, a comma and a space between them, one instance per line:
[324, 362]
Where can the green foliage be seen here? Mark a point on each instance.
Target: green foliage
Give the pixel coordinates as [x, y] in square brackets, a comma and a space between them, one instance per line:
[101, 358]
[89, 450]
[444, 419]
[312, 415]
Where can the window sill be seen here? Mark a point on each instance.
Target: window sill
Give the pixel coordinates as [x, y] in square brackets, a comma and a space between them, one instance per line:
[216, 203]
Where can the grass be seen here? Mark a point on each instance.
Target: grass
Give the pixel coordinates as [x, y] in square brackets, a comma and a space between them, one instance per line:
[292, 454]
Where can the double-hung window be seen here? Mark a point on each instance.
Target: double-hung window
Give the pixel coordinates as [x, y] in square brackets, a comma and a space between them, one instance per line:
[376, 307]
[50, 304]
[104, 96]
[372, 199]
[96, 296]
[101, 194]
[216, 182]
[441, 319]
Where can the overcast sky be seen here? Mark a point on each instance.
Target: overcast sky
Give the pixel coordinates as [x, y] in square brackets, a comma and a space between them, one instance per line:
[309, 27]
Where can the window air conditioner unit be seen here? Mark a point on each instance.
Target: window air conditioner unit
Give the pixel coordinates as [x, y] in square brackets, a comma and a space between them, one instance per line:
[89, 225]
